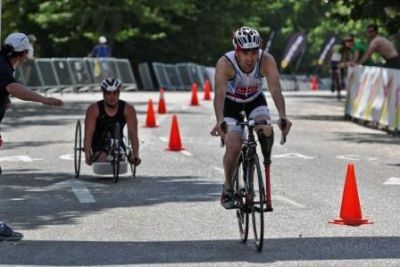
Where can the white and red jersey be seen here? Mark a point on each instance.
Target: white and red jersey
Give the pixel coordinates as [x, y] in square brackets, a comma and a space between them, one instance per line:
[244, 87]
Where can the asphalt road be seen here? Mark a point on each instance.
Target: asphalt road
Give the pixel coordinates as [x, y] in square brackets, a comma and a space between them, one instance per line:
[170, 213]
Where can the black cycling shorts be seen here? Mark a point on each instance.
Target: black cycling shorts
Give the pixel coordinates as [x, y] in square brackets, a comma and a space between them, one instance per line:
[232, 109]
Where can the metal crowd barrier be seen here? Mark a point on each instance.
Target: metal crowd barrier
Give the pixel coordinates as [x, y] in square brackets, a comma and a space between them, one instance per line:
[178, 77]
[181, 76]
[74, 74]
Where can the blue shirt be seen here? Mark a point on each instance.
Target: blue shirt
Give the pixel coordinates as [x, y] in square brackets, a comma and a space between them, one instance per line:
[100, 50]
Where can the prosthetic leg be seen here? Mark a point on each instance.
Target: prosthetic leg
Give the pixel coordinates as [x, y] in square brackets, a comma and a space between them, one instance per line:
[266, 143]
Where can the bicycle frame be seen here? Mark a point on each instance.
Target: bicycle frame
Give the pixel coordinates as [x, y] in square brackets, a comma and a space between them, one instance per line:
[249, 152]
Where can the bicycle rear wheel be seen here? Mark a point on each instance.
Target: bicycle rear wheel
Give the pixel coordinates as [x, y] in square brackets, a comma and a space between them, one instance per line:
[115, 150]
[242, 213]
[257, 201]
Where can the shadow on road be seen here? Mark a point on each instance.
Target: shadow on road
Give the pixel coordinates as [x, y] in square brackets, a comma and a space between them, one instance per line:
[91, 253]
[332, 117]
[31, 199]
[21, 113]
[372, 138]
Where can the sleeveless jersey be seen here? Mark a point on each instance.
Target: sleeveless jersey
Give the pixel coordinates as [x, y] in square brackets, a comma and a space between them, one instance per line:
[244, 87]
[105, 123]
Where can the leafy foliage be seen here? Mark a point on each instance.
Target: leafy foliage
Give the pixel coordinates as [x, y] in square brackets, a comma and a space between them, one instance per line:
[189, 30]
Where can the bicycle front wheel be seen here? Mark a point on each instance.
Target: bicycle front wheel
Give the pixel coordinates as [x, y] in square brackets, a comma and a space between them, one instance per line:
[116, 156]
[258, 202]
[242, 213]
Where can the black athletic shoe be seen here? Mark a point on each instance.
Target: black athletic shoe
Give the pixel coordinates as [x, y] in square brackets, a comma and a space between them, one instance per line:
[7, 234]
[227, 200]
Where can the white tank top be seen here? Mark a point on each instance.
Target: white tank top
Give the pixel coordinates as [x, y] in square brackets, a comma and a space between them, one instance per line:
[244, 87]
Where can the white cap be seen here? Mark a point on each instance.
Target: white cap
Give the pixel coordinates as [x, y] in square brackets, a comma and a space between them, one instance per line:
[19, 41]
[102, 40]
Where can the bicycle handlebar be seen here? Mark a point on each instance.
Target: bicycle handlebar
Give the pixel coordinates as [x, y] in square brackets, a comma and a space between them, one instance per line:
[252, 123]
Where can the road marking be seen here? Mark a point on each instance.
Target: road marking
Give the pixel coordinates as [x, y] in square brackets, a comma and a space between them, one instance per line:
[79, 188]
[186, 153]
[285, 199]
[392, 181]
[355, 157]
[292, 156]
[163, 139]
[67, 157]
[19, 158]
[221, 170]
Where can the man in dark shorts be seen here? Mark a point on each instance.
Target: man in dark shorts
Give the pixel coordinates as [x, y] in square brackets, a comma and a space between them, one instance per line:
[239, 82]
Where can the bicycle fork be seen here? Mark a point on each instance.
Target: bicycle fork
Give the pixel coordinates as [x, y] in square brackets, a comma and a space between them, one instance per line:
[268, 187]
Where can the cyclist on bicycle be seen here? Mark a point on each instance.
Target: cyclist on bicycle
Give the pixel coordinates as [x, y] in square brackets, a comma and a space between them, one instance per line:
[239, 81]
[101, 118]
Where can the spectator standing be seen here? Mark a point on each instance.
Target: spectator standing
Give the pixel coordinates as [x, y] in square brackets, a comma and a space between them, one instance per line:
[102, 49]
[383, 46]
[13, 53]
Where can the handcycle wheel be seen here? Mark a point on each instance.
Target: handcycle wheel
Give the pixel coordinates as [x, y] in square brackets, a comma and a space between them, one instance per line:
[257, 201]
[78, 148]
[115, 152]
[241, 203]
[133, 166]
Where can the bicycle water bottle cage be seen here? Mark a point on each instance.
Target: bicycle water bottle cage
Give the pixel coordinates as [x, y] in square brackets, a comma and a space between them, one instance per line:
[242, 115]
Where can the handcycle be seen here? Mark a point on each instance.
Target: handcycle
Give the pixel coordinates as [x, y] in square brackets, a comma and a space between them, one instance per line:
[250, 195]
[117, 157]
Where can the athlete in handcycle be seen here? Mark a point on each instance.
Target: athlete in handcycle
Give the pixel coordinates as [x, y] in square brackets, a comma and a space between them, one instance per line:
[104, 123]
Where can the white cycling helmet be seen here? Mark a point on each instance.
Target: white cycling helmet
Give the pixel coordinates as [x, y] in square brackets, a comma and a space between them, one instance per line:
[111, 85]
[246, 38]
[18, 41]
[102, 40]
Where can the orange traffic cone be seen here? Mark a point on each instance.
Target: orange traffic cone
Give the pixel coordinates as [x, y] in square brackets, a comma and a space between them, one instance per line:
[162, 108]
[175, 143]
[314, 83]
[207, 90]
[350, 212]
[195, 100]
[150, 118]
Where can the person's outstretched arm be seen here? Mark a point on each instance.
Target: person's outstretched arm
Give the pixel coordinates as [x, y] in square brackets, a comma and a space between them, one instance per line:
[23, 93]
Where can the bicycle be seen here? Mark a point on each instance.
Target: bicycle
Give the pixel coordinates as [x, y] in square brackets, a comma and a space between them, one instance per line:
[250, 195]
